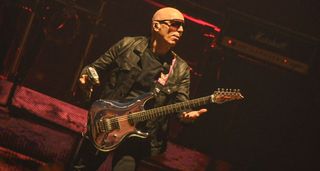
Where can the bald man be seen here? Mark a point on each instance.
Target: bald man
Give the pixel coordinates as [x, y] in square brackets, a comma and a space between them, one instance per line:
[135, 66]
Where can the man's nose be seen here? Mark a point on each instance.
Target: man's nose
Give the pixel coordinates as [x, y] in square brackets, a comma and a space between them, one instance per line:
[180, 29]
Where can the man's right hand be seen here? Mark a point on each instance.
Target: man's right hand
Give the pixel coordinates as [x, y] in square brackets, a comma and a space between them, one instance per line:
[84, 78]
[85, 84]
[88, 78]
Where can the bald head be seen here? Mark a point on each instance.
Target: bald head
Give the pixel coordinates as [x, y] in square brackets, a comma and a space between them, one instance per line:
[167, 13]
[166, 29]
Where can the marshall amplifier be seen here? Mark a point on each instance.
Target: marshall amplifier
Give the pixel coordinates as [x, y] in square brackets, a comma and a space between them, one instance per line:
[258, 40]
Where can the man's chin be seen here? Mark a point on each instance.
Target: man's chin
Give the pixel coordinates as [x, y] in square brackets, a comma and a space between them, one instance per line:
[173, 42]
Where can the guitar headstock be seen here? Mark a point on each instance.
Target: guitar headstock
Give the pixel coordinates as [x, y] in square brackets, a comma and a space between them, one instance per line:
[224, 95]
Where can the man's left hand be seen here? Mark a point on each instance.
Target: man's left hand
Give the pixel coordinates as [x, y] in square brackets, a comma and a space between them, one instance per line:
[191, 116]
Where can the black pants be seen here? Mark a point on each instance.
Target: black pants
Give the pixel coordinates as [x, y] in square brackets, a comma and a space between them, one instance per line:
[125, 157]
[87, 157]
[129, 154]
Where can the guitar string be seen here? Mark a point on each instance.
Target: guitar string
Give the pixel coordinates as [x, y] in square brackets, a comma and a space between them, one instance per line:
[125, 117]
[186, 104]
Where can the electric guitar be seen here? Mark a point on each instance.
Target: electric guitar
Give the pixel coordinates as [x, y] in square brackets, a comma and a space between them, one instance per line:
[110, 122]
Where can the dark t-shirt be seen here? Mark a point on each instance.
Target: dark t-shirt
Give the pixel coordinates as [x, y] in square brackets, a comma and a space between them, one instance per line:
[152, 66]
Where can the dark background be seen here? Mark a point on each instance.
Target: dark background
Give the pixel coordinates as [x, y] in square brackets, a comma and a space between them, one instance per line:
[274, 128]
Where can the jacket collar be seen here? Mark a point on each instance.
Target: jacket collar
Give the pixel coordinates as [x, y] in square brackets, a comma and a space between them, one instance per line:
[142, 46]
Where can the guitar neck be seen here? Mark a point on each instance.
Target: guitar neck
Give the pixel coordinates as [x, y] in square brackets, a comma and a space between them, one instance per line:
[169, 109]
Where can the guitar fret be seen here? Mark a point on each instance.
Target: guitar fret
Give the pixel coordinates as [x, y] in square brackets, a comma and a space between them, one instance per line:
[154, 113]
[143, 116]
[164, 110]
[157, 113]
[167, 109]
[175, 107]
[148, 114]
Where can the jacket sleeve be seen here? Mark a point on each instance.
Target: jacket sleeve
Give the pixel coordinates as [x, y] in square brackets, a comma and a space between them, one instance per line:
[106, 59]
[183, 89]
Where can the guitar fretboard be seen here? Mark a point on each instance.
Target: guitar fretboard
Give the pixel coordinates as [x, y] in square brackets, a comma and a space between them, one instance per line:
[169, 109]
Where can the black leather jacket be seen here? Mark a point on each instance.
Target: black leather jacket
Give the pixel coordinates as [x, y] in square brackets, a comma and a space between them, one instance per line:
[121, 65]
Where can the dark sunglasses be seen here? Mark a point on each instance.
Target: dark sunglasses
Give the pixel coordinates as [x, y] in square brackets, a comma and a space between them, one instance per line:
[175, 24]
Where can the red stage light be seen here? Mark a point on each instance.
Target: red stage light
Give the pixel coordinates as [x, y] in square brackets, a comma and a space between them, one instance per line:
[195, 20]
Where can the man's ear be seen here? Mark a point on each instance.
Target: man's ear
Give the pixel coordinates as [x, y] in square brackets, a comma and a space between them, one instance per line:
[156, 26]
